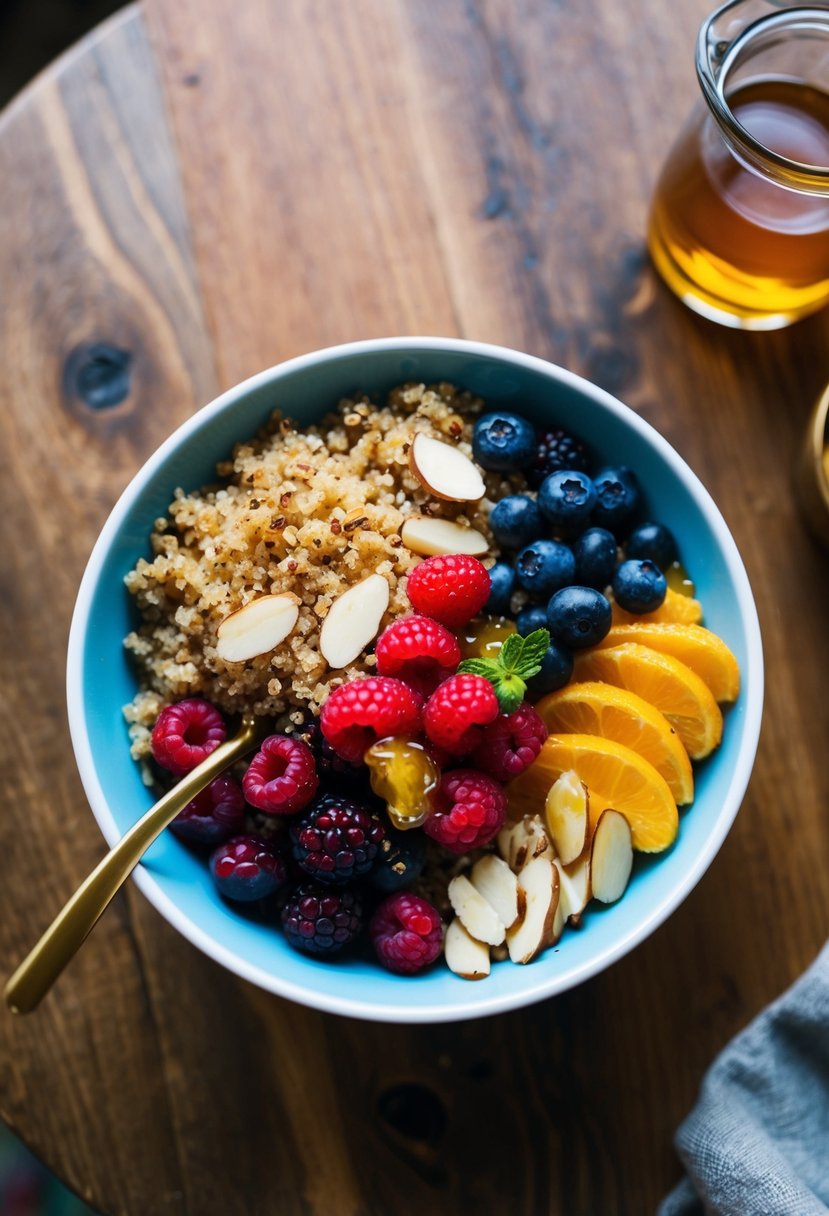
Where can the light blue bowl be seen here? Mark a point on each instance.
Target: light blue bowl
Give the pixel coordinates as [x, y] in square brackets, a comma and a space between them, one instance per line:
[101, 681]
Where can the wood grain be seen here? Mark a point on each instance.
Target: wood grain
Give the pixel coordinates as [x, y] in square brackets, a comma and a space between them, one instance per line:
[387, 166]
[94, 253]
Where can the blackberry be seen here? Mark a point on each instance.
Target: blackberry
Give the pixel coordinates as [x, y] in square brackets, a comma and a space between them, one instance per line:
[557, 449]
[319, 920]
[337, 839]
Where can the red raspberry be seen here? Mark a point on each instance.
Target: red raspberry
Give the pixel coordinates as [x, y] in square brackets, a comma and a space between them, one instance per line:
[186, 733]
[451, 588]
[282, 776]
[457, 710]
[510, 743]
[363, 711]
[406, 933]
[418, 651]
[470, 809]
[214, 814]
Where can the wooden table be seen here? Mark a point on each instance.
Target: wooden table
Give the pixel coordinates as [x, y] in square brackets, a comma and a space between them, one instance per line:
[201, 189]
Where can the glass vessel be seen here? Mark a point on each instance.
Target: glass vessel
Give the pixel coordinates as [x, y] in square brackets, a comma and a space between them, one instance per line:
[739, 224]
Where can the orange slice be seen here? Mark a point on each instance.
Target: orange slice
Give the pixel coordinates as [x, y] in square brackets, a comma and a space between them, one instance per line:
[615, 777]
[677, 608]
[700, 649]
[664, 682]
[614, 713]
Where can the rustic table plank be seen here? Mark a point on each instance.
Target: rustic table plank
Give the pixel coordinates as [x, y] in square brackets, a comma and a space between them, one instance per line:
[479, 168]
[100, 304]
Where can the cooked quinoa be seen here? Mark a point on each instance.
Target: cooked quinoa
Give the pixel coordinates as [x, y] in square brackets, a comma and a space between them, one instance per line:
[308, 511]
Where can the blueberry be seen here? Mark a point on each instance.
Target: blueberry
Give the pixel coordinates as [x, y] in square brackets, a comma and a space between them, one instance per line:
[566, 499]
[639, 585]
[544, 566]
[556, 670]
[653, 542]
[595, 553]
[502, 585]
[401, 860]
[504, 442]
[530, 619]
[617, 500]
[578, 616]
[516, 521]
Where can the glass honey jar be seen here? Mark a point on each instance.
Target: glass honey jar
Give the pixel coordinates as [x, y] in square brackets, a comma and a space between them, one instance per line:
[739, 224]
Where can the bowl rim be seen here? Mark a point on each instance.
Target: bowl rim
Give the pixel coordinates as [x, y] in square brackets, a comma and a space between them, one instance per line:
[434, 1012]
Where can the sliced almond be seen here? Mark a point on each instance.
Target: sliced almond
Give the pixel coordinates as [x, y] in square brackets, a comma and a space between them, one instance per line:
[566, 813]
[574, 882]
[611, 857]
[353, 621]
[425, 535]
[444, 471]
[498, 885]
[560, 917]
[257, 627]
[539, 884]
[464, 954]
[476, 913]
[520, 842]
[499, 954]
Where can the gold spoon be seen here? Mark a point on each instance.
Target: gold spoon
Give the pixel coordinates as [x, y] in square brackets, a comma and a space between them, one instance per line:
[67, 932]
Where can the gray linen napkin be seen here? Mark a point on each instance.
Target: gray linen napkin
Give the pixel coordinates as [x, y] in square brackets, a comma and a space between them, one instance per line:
[757, 1142]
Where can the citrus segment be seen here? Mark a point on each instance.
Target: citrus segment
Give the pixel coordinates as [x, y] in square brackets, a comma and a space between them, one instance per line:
[614, 713]
[664, 682]
[615, 777]
[681, 609]
[700, 649]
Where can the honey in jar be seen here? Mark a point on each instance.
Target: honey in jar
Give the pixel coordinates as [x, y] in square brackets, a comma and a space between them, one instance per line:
[739, 224]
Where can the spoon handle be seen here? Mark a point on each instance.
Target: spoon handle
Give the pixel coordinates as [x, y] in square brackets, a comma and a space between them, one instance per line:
[67, 932]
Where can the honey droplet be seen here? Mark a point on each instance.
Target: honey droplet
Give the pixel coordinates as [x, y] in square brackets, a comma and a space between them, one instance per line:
[484, 637]
[677, 579]
[404, 775]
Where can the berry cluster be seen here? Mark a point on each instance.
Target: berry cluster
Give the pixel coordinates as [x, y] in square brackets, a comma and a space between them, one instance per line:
[313, 826]
[571, 543]
[452, 715]
[340, 854]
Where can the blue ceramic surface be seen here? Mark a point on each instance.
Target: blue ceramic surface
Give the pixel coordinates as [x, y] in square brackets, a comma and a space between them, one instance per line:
[101, 680]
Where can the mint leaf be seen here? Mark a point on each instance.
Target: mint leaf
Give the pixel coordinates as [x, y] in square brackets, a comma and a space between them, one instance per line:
[488, 668]
[509, 689]
[532, 653]
[510, 653]
[517, 660]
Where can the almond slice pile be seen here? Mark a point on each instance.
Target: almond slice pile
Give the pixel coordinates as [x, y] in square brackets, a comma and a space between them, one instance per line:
[541, 880]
